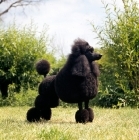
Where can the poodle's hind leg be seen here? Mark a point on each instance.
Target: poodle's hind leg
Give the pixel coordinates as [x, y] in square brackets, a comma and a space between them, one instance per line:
[42, 104]
[46, 113]
[82, 115]
[33, 115]
[90, 111]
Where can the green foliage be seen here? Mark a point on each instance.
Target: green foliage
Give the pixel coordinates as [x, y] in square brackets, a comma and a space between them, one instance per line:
[24, 98]
[119, 38]
[20, 48]
[57, 65]
[115, 98]
[111, 98]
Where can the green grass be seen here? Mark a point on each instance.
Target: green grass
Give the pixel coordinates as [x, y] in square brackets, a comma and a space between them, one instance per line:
[109, 124]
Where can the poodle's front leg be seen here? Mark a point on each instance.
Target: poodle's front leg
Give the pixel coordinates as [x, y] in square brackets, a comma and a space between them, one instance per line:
[80, 106]
[86, 104]
[90, 111]
[82, 115]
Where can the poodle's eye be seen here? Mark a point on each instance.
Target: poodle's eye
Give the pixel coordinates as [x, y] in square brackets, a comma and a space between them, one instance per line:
[86, 44]
[90, 49]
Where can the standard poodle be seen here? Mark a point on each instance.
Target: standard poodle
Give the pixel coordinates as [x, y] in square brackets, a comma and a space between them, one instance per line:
[76, 82]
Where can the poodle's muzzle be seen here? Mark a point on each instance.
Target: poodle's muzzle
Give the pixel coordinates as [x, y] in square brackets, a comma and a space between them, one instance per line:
[93, 56]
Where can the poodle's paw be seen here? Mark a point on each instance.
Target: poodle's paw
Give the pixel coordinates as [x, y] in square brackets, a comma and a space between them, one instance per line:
[33, 115]
[91, 115]
[82, 116]
[46, 113]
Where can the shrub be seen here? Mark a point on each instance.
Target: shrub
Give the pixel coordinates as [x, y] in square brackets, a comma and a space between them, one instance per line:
[20, 48]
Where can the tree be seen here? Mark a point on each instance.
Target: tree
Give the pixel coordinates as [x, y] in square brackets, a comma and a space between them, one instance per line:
[20, 49]
[16, 3]
[119, 38]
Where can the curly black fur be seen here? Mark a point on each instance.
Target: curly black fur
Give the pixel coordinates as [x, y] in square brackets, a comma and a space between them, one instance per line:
[82, 116]
[43, 67]
[76, 82]
[47, 91]
[33, 115]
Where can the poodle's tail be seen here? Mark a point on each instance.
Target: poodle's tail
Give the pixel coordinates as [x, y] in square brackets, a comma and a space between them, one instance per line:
[43, 67]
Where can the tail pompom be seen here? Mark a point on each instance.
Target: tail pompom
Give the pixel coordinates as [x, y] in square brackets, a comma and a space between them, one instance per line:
[43, 67]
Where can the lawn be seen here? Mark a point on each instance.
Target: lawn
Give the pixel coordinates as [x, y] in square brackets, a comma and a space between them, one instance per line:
[109, 124]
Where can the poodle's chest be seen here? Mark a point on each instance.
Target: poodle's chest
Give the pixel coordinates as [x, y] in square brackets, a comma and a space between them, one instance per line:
[74, 88]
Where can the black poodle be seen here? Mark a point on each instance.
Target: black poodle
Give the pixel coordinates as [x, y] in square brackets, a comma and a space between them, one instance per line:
[76, 82]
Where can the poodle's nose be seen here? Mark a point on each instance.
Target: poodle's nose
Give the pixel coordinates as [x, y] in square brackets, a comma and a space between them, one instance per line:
[100, 55]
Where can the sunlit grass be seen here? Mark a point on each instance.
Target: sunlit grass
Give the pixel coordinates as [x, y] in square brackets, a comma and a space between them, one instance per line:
[109, 124]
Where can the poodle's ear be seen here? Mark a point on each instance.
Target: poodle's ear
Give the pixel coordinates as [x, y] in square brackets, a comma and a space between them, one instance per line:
[81, 66]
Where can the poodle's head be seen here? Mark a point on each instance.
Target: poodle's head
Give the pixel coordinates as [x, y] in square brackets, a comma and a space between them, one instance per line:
[81, 47]
[83, 55]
